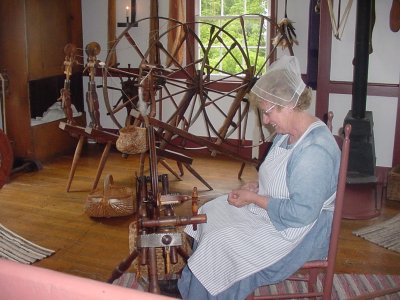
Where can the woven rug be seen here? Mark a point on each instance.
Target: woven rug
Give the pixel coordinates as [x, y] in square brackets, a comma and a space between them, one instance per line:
[385, 234]
[16, 248]
[345, 286]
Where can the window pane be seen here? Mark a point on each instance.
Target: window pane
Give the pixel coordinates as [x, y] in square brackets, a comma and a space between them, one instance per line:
[210, 8]
[233, 7]
[255, 32]
[256, 7]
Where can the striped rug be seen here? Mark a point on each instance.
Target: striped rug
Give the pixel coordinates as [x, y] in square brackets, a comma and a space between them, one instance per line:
[345, 286]
[16, 248]
[385, 234]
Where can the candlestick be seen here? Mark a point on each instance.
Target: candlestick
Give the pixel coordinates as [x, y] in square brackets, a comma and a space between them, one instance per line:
[130, 15]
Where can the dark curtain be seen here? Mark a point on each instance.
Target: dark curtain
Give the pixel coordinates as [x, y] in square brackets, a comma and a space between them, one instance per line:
[313, 43]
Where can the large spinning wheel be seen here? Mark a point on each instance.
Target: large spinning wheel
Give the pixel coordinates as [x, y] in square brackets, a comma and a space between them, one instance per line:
[203, 98]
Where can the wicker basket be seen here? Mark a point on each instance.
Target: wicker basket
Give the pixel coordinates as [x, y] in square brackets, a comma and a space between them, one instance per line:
[113, 201]
[132, 140]
[393, 187]
[175, 269]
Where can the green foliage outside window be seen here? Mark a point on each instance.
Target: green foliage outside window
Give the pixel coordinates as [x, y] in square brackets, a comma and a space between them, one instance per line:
[249, 35]
[232, 7]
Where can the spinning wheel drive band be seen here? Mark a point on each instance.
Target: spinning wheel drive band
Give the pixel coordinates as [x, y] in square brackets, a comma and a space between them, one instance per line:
[191, 96]
[6, 158]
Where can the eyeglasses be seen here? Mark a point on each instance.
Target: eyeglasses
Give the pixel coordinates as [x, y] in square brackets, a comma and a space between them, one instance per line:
[265, 112]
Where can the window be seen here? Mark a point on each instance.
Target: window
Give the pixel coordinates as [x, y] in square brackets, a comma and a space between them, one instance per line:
[250, 31]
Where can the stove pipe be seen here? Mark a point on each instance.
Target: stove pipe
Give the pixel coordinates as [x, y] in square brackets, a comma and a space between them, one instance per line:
[362, 49]
[362, 148]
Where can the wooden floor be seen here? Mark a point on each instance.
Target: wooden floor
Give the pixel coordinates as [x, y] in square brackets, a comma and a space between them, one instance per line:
[36, 206]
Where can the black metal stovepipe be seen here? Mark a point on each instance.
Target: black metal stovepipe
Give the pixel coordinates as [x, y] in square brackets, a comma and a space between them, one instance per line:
[364, 21]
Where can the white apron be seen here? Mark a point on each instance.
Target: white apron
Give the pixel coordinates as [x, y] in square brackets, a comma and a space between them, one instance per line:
[242, 241]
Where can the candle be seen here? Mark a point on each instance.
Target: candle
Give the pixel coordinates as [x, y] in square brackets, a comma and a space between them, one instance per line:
[127, 14]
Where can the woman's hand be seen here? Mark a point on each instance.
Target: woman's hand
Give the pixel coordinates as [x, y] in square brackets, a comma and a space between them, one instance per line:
[241, 197]
[250, 186]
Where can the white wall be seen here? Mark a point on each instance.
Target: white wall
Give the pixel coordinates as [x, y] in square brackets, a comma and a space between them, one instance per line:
[297, 12]
[384, 63]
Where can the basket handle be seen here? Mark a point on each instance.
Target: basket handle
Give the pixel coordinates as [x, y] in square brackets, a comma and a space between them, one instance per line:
[108, 182]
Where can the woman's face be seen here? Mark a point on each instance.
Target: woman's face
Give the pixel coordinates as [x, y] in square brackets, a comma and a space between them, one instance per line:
[276, 117]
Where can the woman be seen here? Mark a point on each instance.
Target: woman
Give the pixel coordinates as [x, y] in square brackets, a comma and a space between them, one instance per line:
[263, 232]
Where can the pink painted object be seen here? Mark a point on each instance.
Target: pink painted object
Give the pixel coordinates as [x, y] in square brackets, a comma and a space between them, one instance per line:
[20, 281]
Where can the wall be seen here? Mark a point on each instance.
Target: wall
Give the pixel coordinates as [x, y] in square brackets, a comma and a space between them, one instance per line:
[384, 64]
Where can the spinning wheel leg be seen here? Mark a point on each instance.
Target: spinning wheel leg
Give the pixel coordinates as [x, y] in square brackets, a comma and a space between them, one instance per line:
[152, 267]
[168, 167]
[241, 170]
[180, 167]
[102, 163]
[123, 266]
[77, 155]
[198, 176]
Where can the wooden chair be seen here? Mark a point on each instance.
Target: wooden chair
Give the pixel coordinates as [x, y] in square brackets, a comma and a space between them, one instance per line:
[310, 270]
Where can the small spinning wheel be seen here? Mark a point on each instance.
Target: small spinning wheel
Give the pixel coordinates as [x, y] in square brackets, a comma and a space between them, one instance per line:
[156, 225]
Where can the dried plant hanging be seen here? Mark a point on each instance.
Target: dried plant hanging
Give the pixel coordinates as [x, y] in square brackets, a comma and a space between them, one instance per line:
[338, 26]
[286, 27]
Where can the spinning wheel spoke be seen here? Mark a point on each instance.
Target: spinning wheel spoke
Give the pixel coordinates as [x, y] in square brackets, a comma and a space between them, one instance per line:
[133, 44]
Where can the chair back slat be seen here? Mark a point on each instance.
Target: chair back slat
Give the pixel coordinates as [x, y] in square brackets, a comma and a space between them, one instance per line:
[337, 216]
